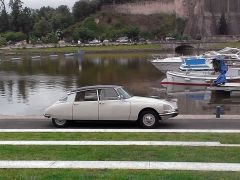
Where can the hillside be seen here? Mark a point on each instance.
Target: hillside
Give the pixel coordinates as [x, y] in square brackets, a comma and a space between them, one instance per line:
[203, 16]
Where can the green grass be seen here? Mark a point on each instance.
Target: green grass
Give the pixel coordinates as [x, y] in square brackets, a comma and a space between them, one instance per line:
[223, 138]
[66, 174]
[120, 48]
[122, 153]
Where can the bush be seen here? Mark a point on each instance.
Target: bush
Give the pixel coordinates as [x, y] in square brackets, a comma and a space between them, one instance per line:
[3, 41]
[50, 38]
[15, 36]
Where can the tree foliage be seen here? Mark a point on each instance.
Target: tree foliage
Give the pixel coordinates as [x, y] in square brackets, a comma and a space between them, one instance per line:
[16, 7]
[49, 24]
[84, 8]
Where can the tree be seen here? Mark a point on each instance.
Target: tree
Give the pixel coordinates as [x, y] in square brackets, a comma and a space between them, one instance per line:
[16, 7]
[223, 27]
[42, 27]
[84, 34]
[84, 8]
[132, 33]
[26, 21]
[62, 18]
[4, 19]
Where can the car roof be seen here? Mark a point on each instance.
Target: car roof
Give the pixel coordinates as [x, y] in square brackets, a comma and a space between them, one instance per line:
[95, 87]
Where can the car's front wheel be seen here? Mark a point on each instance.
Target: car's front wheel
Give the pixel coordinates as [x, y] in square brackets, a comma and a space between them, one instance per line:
[59, 123]
[148, 119]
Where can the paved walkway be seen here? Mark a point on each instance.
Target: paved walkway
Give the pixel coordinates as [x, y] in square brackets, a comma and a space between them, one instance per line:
[118, 143]
[118, 131]
[194, 166]
[37, 117]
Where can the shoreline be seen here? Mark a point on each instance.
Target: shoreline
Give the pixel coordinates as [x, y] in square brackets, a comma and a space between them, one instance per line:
[97, 49]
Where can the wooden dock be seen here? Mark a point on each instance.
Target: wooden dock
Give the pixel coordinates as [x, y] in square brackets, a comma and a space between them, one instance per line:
[224, 91]
[225, 87]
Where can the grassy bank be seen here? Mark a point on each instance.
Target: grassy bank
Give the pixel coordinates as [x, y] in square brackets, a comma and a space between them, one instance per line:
[94, 49]
[66, 174]
[122, 153]
[223, 138]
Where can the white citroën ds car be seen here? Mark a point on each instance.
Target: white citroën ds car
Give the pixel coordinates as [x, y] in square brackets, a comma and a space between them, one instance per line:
[108, 102]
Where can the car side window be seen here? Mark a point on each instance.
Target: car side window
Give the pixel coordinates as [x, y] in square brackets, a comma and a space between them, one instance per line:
[107, 94]
[89, 95]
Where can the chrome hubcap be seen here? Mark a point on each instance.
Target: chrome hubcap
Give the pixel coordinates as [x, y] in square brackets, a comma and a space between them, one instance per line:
[149, 119]
[60, 122]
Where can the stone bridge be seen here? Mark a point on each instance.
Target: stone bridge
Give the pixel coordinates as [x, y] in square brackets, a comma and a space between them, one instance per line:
[185, 45]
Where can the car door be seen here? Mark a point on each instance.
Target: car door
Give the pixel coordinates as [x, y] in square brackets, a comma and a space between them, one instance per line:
[85, 106]
[111, 107]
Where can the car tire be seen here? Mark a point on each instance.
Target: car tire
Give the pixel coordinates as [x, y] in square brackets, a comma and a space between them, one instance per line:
[148, 119]
[60, 123]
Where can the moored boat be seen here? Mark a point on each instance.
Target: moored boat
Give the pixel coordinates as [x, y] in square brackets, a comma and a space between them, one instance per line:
[167, 64]
[202, 78]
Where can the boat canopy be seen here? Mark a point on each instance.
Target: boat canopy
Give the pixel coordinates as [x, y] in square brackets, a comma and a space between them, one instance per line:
[194, 61]
[219, 66]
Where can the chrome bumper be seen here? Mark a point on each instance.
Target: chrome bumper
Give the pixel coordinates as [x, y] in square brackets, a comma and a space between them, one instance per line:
[47, 115]
[168, 115]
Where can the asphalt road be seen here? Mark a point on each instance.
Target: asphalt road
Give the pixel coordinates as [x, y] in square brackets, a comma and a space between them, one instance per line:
[226, 124]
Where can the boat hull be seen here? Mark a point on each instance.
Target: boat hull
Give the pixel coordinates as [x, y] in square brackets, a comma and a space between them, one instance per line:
[197, 79]
[167, 66]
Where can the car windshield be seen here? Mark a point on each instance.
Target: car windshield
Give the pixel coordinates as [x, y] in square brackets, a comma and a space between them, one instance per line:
[63, 99]
[124, 94]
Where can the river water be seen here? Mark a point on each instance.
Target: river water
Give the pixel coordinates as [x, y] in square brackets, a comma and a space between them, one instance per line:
[28, 84]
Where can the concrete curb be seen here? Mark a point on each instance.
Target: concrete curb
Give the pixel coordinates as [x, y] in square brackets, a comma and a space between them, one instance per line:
[119, 131]
[118, 143]
[194, 166]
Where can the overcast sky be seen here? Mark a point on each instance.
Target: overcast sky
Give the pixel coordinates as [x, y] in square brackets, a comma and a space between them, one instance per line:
[37, 4]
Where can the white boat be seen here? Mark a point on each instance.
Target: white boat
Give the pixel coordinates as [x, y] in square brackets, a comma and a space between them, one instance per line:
[167, 64]
[36, 57]
[175, 88]
[69, 54]
[200, 78]
[16, 58]
[231, 56]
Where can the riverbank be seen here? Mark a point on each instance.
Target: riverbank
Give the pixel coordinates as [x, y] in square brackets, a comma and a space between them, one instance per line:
[89, 49]
[114, 48]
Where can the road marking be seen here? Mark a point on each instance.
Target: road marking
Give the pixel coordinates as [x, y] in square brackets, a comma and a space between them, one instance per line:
[118, 143]
[118, 131]
[193, 166]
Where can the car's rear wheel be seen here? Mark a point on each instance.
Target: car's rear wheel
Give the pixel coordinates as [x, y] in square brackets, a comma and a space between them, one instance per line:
[60, 123]
[148, 119]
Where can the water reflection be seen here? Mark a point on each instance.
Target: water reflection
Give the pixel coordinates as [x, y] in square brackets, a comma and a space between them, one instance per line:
[199, 100]
[28, 86]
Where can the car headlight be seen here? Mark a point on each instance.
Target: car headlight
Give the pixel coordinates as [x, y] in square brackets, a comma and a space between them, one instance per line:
[167, 108]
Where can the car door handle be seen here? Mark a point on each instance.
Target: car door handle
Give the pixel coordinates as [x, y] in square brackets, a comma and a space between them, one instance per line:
[101, 103]
[75, 104]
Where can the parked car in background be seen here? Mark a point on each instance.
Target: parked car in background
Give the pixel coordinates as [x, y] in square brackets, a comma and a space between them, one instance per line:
[95, 41]
[108, 102]
[122, 40]
[105, 41]
[170, 39]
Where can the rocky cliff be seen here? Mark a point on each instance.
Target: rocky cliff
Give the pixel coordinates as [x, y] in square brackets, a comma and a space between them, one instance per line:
[202, 15]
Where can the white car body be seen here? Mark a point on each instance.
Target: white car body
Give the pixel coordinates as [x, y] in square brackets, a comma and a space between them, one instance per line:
[118, 106]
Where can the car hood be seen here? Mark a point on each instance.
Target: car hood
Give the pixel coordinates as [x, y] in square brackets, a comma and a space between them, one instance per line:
[146, 100]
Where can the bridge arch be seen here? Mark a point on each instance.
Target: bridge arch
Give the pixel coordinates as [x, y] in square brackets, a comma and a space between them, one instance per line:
[184, 48]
